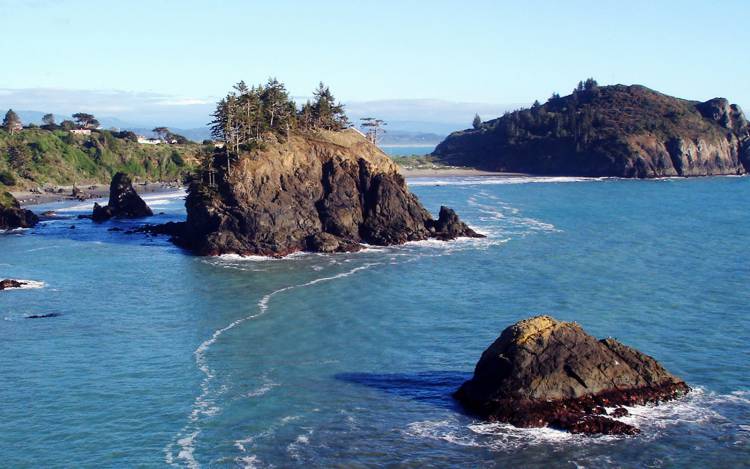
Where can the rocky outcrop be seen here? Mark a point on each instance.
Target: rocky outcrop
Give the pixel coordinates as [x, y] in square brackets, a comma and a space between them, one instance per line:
[124, 202]
[622, 131]
[541, 372]
[12, 216]
[323, 191]
[10, 283]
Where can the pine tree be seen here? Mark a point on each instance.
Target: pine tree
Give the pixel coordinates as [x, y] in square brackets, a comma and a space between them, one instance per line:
[11, 122]
[373, 128]
[327, 113]
[85, 121]
[477, 122]
[48, 120]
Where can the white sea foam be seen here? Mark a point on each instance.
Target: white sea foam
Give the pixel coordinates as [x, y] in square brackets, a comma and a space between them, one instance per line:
[204, 404]
[84, 207]
[43, 248]
[263, 389]
[493, 180]
[697, 408]
[294, 447]
[170, 195]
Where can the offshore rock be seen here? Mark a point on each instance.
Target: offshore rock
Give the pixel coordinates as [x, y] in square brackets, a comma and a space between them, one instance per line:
[544, 372]
[10, 283]
[124, 202]
[317, 191]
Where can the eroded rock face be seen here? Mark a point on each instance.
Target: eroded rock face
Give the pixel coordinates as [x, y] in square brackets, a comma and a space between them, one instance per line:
[12, 216]
[124, 202]
[541, 372]
[322, 192]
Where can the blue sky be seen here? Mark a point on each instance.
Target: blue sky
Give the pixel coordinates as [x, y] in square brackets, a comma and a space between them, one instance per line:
[177, 56]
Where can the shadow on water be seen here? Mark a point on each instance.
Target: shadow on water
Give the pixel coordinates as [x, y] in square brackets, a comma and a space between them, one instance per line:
[433, 387]
[115, 231]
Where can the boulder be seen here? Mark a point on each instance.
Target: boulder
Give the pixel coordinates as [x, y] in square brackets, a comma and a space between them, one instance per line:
[545, 372]
[12, 216]
[124, 202]
[10, 283]
[448, 226]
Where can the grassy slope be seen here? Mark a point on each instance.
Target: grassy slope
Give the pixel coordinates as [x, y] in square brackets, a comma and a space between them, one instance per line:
[61, 158]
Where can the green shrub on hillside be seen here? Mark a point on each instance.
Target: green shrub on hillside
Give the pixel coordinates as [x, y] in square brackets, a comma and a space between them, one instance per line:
[59, 157]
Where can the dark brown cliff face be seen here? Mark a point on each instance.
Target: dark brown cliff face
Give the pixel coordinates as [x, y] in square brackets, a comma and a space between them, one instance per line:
[541, 371]
[12, 216]
[621, 131]
[323, 192]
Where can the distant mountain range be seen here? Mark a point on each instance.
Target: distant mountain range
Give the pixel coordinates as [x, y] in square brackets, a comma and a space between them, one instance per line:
[396, 132]
[196, 134]
[409, 121]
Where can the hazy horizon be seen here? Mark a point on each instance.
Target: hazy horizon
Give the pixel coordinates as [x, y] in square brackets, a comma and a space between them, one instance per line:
[402, 62]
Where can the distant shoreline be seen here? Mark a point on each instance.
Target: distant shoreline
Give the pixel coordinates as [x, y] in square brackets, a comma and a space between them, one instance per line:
[454, 172]
[408, 145]
[95, 191]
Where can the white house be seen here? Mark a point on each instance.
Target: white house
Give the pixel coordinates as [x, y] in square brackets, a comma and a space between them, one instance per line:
[148, 140]
[80, 131]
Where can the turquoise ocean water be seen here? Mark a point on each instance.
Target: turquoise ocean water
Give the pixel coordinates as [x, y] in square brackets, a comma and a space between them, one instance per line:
[160, 358]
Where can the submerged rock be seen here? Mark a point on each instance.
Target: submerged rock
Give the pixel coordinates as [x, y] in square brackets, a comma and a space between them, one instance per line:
[44, 316]
[315, 191]
[124, 202]
[544, 372]
[12, 216]
[10, 283]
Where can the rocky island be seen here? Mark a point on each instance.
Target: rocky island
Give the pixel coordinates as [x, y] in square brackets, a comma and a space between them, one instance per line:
[288, 180]
[545, 372]
[320, 191]
[621, 131]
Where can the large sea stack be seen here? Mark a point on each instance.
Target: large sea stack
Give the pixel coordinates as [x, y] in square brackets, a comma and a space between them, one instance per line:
[12, 216]
[124, 202]
[622, 131]
[542, 372]
[321, 191]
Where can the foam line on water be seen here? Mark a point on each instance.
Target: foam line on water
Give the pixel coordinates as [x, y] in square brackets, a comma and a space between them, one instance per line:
[204, 405]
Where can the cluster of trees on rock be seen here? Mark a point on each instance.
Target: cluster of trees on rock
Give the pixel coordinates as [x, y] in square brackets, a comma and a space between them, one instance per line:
[248, 114]
[571, 116]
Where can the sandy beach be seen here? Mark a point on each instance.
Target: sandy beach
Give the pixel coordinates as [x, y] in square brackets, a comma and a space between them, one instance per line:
[92, 191]
[454, 172]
